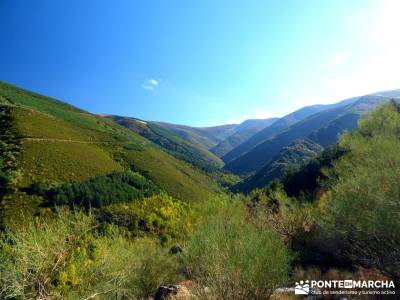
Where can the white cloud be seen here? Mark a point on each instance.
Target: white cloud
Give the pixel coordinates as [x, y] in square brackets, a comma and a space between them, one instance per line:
[150, 84]
[338, 59]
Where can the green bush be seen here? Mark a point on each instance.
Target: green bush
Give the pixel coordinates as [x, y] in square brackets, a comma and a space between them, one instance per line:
[273, 208]
[159, 214]
[65, 257]
[361, 211]
[232, 257]
[9, 150]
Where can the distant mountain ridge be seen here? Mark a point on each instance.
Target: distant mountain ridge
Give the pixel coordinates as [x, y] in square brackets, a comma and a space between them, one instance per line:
[173, 156]
[322, 127]
[205, 137]
[171, 142]
[243, 132]
[217, 139]
[279, 126]
[296, 153]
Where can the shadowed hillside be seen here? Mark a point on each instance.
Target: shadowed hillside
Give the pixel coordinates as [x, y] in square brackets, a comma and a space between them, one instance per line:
[324, 127]
[242, 133]
[293, 155]
[279, 126]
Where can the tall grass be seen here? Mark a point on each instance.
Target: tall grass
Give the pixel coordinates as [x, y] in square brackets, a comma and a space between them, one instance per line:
[231, 257]
[65, 257]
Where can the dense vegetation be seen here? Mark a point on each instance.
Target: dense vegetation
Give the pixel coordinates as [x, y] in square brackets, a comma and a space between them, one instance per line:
[66, 256]
[70, 255]
[159, 215]
[9, 149]
[305, 180]
[341, 209]
[100, 190]
[362, 207]
[235, 258]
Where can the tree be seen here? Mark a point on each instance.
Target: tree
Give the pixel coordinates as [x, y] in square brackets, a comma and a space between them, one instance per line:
[362, 210]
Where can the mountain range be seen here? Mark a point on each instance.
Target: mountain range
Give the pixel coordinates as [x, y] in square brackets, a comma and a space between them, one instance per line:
[46, 141]
[322, 127]
[60, 143]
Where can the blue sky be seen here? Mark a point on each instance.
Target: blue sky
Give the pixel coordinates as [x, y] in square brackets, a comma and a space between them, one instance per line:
[203, 62]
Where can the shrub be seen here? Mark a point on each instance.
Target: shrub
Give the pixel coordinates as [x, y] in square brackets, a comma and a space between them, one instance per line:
[65, 257]
[159, 214]
[272, 208]
[232, 257]
[361, 212]
[9, 150]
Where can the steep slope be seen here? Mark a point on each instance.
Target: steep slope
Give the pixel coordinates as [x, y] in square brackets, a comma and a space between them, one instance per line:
[279, 126]
[242, 133]
[296, 153]
[172, 143]
[330, 122]
[329, 134]
[306, 180]
[203, 137]
[61, 143]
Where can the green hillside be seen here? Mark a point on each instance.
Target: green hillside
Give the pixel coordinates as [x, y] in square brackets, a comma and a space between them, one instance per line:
[59, 143]
[297, 153]
[171, 142]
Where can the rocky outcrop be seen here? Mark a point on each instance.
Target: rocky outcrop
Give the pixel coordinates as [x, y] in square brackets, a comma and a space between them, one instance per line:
[172, 292]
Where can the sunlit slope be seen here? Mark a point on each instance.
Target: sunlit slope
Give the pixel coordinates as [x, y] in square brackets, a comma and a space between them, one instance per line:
[63, 143]
[171, 142]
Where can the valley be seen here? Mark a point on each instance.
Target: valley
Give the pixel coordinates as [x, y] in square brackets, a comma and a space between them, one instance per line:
[199, 150]
[118, 185]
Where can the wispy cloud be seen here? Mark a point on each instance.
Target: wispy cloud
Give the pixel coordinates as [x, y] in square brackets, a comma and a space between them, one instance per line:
[338, 59]
[150, 84]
